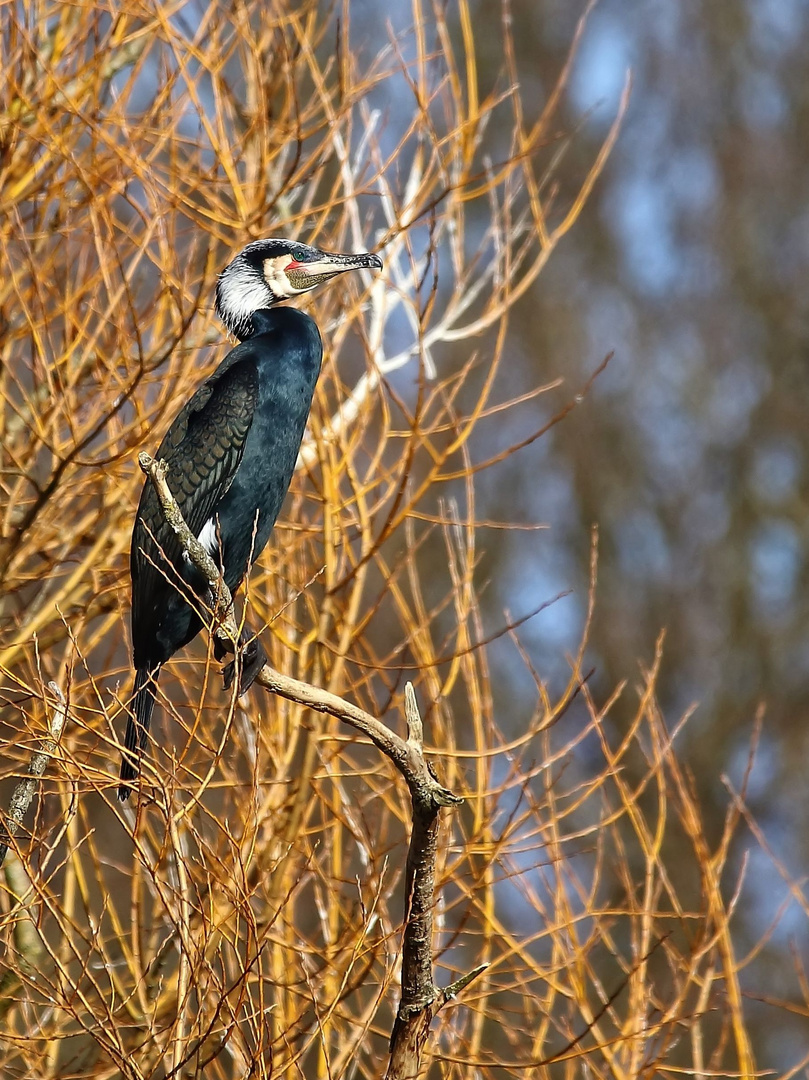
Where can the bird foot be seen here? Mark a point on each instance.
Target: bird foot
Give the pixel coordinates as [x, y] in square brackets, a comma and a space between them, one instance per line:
[253, 658]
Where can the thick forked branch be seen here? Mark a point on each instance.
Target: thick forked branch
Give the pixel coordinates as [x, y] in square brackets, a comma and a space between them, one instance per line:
[420, 999]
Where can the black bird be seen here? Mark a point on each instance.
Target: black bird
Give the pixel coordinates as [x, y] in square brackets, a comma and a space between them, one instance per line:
[231, 452]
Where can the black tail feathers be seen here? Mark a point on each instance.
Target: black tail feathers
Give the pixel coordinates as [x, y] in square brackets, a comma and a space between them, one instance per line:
[137, 727]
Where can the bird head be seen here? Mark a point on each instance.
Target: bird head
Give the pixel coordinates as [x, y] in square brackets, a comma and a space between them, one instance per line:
[268, 271]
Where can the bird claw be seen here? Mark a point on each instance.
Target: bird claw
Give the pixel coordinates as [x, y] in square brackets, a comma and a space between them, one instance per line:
[253, 659]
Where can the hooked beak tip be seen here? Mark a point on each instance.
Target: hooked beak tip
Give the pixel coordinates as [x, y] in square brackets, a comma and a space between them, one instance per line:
[363, 261]
[330, 264]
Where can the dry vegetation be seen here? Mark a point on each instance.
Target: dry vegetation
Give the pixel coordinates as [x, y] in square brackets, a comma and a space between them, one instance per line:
[244, 917]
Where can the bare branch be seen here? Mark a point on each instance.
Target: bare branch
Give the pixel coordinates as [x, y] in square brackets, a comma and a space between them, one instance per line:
[29, 947]
[24, 791]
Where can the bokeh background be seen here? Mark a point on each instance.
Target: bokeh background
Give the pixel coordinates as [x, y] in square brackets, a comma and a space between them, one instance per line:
[691, 261]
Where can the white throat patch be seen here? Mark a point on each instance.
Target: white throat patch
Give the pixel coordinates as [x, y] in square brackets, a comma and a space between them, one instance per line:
[241, 292]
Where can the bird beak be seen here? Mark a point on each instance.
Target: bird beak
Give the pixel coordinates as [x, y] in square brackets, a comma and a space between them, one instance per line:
[330, 264]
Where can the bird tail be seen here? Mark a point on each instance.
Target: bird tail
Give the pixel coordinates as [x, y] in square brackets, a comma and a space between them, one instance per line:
[137, 727]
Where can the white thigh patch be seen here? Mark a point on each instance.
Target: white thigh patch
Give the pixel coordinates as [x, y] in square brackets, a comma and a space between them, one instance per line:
[207, 537]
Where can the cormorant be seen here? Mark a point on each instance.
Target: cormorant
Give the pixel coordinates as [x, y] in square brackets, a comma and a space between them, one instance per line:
[231, 452]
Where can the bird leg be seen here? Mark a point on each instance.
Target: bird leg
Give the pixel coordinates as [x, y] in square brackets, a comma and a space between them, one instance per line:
[252, 659]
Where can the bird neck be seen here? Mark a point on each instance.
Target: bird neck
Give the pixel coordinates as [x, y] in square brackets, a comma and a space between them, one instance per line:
[261, 321]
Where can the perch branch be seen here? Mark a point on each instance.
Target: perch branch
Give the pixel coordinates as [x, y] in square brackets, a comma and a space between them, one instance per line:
[421, 999]
[404, 755]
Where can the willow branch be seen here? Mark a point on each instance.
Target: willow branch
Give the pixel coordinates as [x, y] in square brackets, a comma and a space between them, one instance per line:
[29, 949]
[23, 793]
